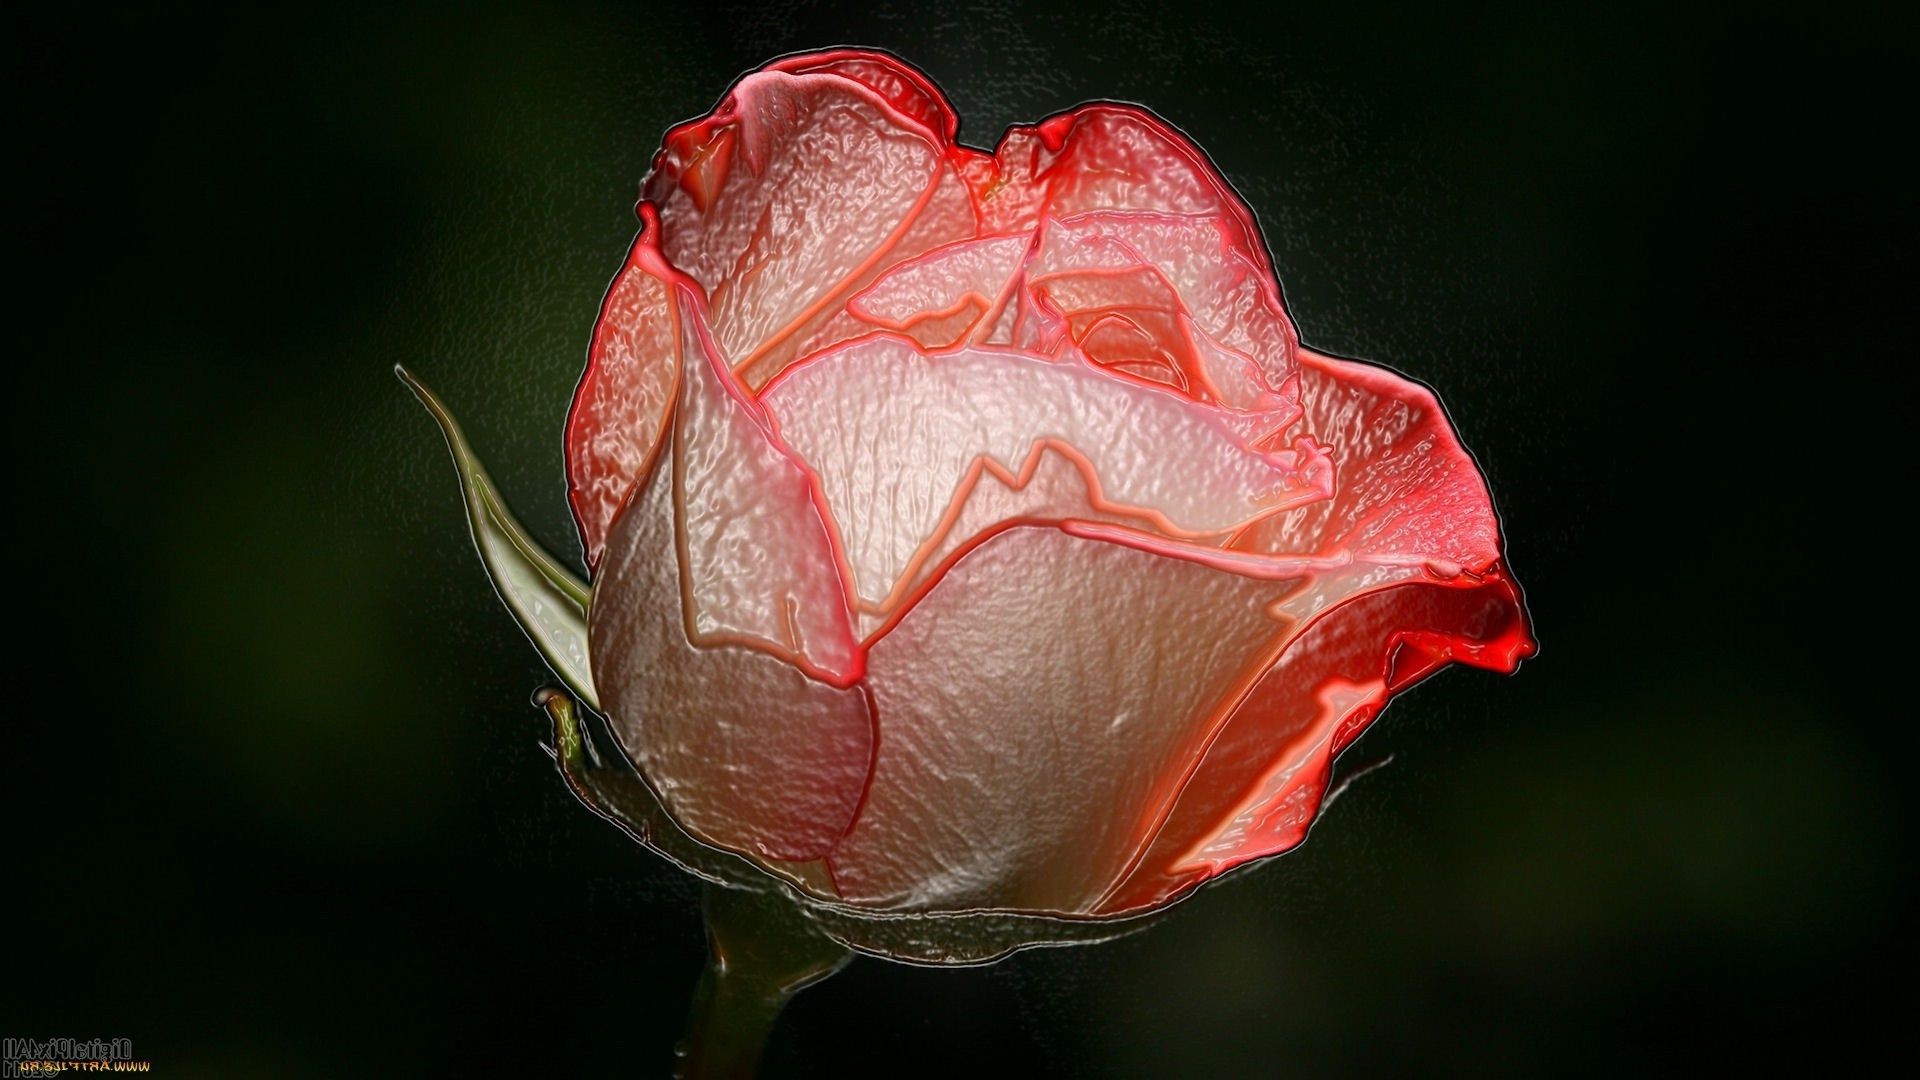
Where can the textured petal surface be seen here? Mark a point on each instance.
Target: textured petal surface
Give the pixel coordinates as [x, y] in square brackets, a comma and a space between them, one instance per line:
[1407, 489]
[1248, 348]
[1035, 707]
[948, 214]
[793, 193]
[1052, 488]
[746, 752]
[620, 409]
[904, 87]
[899, 439]
[1411, 583]
[940, 296]
[1160, 296]
[758, 558]
[1108, 157]
[1262, 783]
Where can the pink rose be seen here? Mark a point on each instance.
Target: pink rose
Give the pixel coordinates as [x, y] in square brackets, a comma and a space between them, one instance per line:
[971, 531]
[974, 547]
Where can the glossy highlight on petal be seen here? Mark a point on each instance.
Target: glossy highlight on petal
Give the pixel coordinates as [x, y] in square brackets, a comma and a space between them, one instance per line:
[900, 438]
[747, 751]
[1032, 709]
[759, 562]
[1406, 578]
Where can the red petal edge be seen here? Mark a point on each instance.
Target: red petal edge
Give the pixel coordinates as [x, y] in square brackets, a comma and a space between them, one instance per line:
[619, 407]
[1415, 582]
[1059, 168]
[904, 86]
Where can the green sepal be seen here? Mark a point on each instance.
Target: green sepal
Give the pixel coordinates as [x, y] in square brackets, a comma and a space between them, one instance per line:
[548, 602]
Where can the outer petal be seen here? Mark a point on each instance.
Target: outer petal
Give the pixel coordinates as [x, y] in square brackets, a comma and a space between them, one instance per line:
[944, 294]
[1107, 156]
[771, 782]
[759, 563]
[1035, 707]
[1408, 579]
[1393, 441]
[905, 87]
[900, 439]
[1052, 487]
[620, 408]
[795, 191]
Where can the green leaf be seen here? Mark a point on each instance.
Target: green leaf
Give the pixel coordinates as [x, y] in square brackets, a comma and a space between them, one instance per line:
[549, 603]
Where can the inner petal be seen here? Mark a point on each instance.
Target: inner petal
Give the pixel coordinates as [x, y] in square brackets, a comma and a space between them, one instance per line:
[969, 278]
[1122, 342]
[1243, 338]
[899, 439]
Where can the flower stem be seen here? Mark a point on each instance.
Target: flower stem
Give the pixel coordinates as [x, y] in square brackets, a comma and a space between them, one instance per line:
[763, 951]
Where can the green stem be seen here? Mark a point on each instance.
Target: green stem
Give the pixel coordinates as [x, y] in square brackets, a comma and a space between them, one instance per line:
[762, 952]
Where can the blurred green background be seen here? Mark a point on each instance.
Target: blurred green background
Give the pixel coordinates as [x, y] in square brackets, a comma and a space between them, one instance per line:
[274, 791]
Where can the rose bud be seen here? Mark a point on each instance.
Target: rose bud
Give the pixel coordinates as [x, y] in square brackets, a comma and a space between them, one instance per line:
[973, 544]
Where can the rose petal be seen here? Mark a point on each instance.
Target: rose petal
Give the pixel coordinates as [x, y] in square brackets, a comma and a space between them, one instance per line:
[793, 193]
[1138, 344]
[1132, 316]
[939, 296]
[904, 86]
[759, 560]
[1407, 490]
[1245, 346]
[1108, 156]
[775, 782]
[948, 214]
[1404, 578]
[620, 408]
[1052, 488]
[1261, 784]
[1032, 708]
[899, 439]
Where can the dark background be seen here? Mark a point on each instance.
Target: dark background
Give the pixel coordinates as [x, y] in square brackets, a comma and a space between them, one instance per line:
[275, 802]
